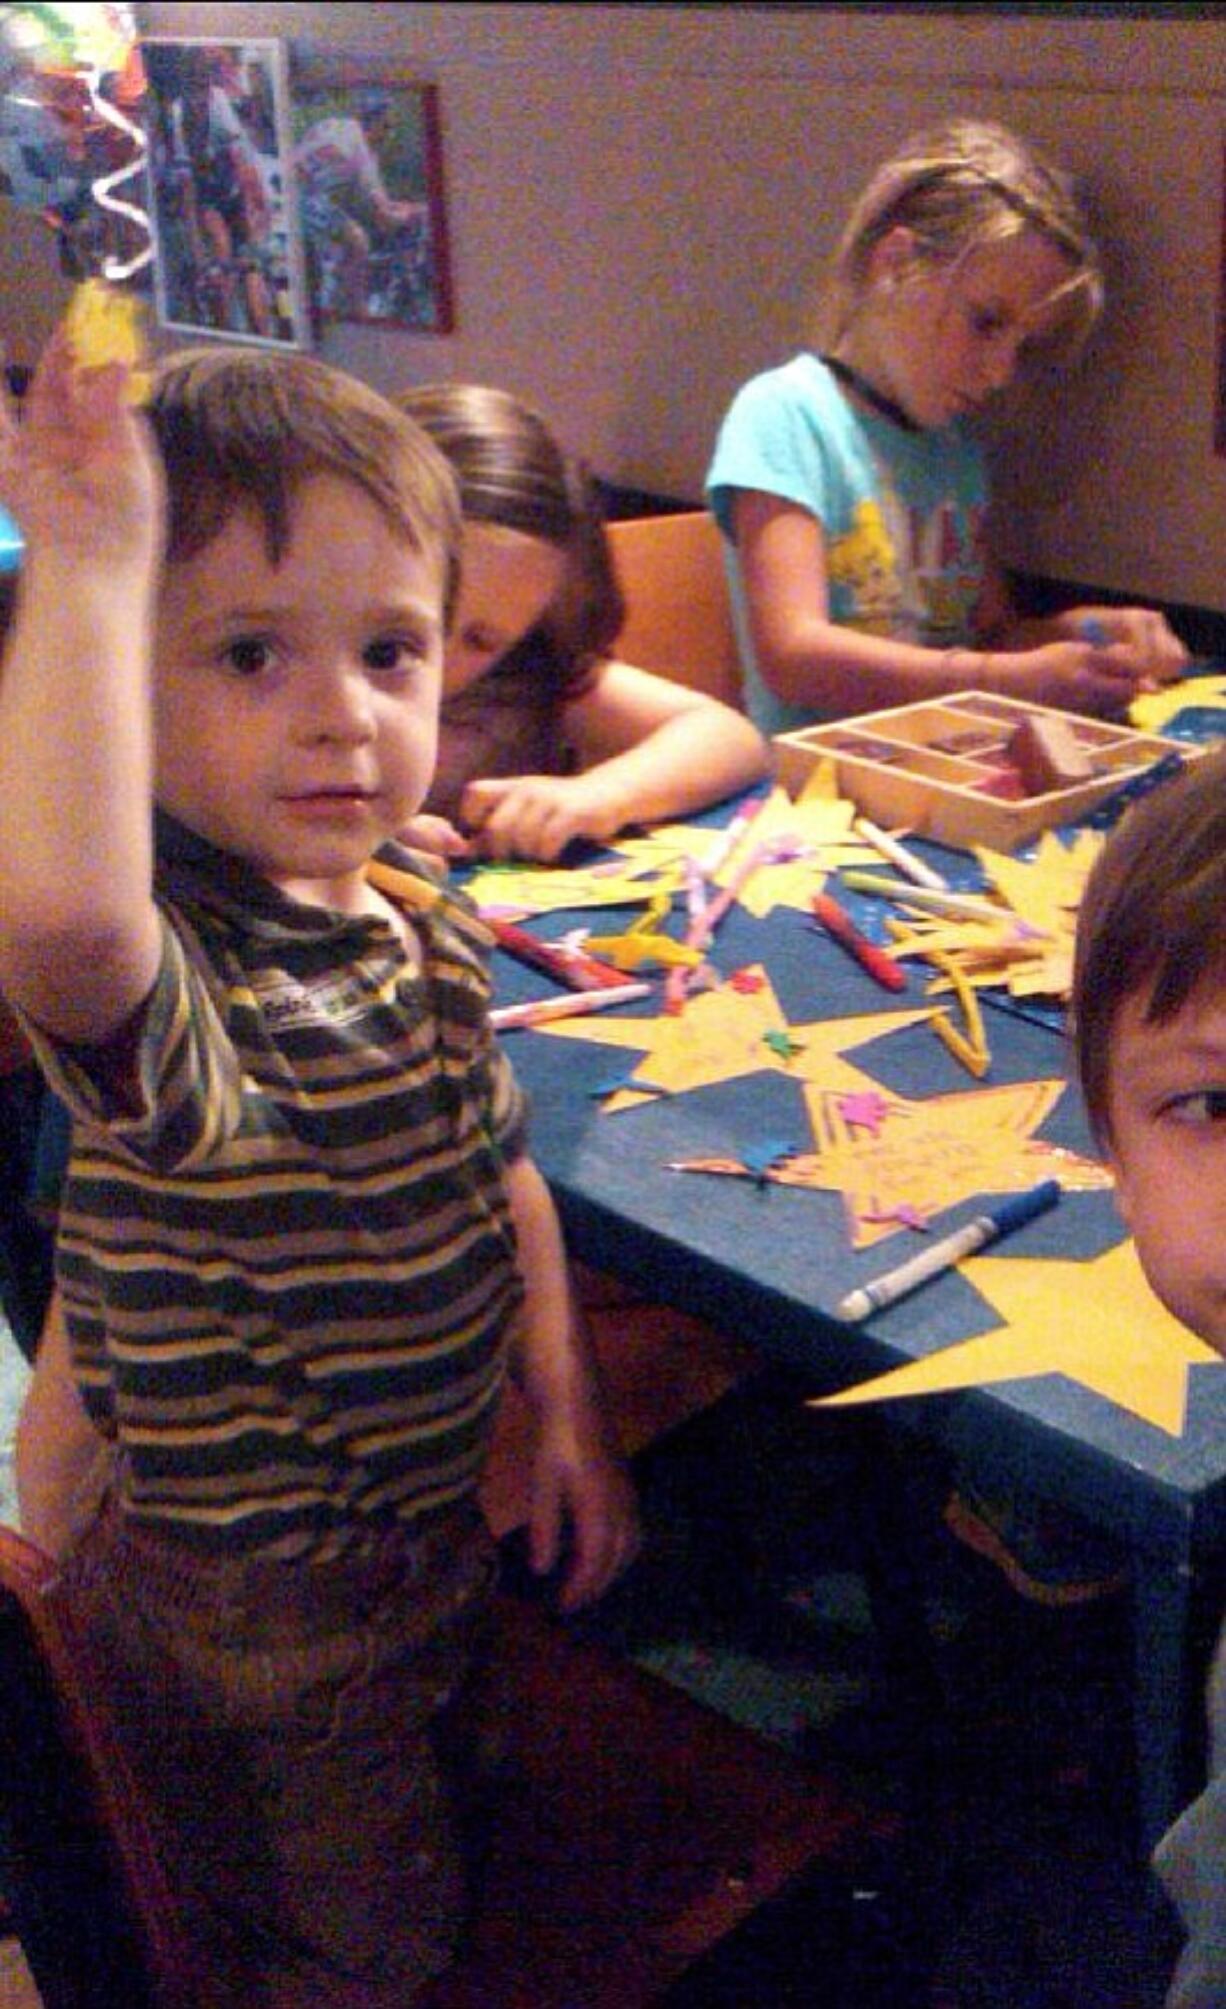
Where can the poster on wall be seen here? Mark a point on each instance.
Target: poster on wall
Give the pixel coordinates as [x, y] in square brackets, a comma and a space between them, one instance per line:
[227, 253]
[367, 154]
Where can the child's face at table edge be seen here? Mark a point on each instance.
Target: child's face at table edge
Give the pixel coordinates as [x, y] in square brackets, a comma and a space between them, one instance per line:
[1167, 1104]
[296, 705]
[507, 581]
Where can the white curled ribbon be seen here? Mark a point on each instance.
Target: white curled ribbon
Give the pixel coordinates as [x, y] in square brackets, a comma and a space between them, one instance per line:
[103, 189]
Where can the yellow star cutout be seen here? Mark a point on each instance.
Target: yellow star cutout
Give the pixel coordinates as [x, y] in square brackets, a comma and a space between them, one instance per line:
[1153, 710]
[722, 1034]
[817, 824]
[1123, 1345]
[542, 889]
[921, 1157]
[925, 1156]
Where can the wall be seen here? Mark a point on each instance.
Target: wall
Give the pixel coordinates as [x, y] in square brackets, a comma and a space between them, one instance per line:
[641, 197]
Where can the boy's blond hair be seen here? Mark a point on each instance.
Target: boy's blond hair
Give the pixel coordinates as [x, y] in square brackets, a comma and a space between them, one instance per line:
[1152, 922]
[961, 187]
[244, 428]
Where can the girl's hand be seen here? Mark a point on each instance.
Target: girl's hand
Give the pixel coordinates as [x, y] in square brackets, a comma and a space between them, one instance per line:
[1070, 676]
[436, 835]
[538, 815]
[1138, 639]
[78, 468]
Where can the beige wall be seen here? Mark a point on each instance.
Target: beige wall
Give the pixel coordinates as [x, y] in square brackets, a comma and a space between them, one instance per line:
[641, 197]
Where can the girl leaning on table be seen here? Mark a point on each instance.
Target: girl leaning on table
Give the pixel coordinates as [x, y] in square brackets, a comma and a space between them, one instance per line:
[849, 483]
[544, 735]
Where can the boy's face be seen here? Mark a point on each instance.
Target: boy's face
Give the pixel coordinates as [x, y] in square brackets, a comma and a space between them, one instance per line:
[296, 706]
[1168, 1149]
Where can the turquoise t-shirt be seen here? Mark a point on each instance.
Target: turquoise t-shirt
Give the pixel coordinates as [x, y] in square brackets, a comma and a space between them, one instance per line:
[903, 512]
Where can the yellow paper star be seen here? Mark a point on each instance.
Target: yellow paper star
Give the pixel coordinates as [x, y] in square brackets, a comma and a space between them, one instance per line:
[817, 825]
[722, 1034]
[1041, 893]
[1152, 711]
[543, 889]
[1044, 891]
[1124, 1345]
[925, 1156]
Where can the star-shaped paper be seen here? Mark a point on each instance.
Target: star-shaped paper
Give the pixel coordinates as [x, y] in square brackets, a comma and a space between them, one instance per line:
[1123, 1344]
[731, 1031]
[1153, 709]
[926, 1156]
[516, 890]
[919, 1158]
[809, 838]
[1029, 951]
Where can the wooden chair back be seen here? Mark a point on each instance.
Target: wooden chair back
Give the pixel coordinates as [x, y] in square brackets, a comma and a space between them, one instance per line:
[93, 1906]
[678, 614]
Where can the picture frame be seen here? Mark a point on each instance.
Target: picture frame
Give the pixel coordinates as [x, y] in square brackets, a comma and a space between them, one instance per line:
[222, 204]
[368, 160]
[1219, 426]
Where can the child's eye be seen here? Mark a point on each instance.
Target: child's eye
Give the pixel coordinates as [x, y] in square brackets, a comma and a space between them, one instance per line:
[249, 655]
[1208, 1105]
[396, 654]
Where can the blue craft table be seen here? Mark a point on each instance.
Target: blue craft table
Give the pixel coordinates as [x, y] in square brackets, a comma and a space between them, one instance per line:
[768, 1263]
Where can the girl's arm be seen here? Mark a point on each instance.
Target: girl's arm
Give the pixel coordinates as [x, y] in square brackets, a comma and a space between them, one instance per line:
[809, 660]
[579, 1482]
[647, 749]
[79, 947]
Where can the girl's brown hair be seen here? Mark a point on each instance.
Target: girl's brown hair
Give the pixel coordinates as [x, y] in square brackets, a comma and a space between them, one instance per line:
[513, 473]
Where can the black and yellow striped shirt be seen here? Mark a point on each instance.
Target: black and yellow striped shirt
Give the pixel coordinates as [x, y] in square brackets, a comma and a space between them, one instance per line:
[289, 1276]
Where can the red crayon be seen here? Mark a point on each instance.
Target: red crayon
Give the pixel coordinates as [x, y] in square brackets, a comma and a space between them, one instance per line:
[867, 954]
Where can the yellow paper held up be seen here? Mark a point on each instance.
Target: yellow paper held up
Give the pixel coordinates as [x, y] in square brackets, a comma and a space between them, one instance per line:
[106, 326]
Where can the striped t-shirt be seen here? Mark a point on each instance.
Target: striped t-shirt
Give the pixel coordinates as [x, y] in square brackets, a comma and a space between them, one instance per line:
[289, 1276]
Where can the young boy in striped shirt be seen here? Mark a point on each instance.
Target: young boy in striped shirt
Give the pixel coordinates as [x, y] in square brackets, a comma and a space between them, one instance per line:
[299, 1233]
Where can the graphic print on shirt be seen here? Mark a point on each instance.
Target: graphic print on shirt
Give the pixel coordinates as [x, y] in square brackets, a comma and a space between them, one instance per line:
[906, 572]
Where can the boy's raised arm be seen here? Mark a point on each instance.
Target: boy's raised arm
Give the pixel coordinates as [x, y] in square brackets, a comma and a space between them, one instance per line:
[78, 935]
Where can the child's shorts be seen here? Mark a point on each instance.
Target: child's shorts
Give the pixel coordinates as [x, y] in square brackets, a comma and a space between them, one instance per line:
[296, 1728]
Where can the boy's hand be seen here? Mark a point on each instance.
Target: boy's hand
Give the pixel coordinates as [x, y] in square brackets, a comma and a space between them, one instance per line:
[78, 468]
[581, 1490]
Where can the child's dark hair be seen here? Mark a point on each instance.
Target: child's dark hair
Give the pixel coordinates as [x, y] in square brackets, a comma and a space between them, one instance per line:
[512, 473]
[1152, 921]
[243, 428]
